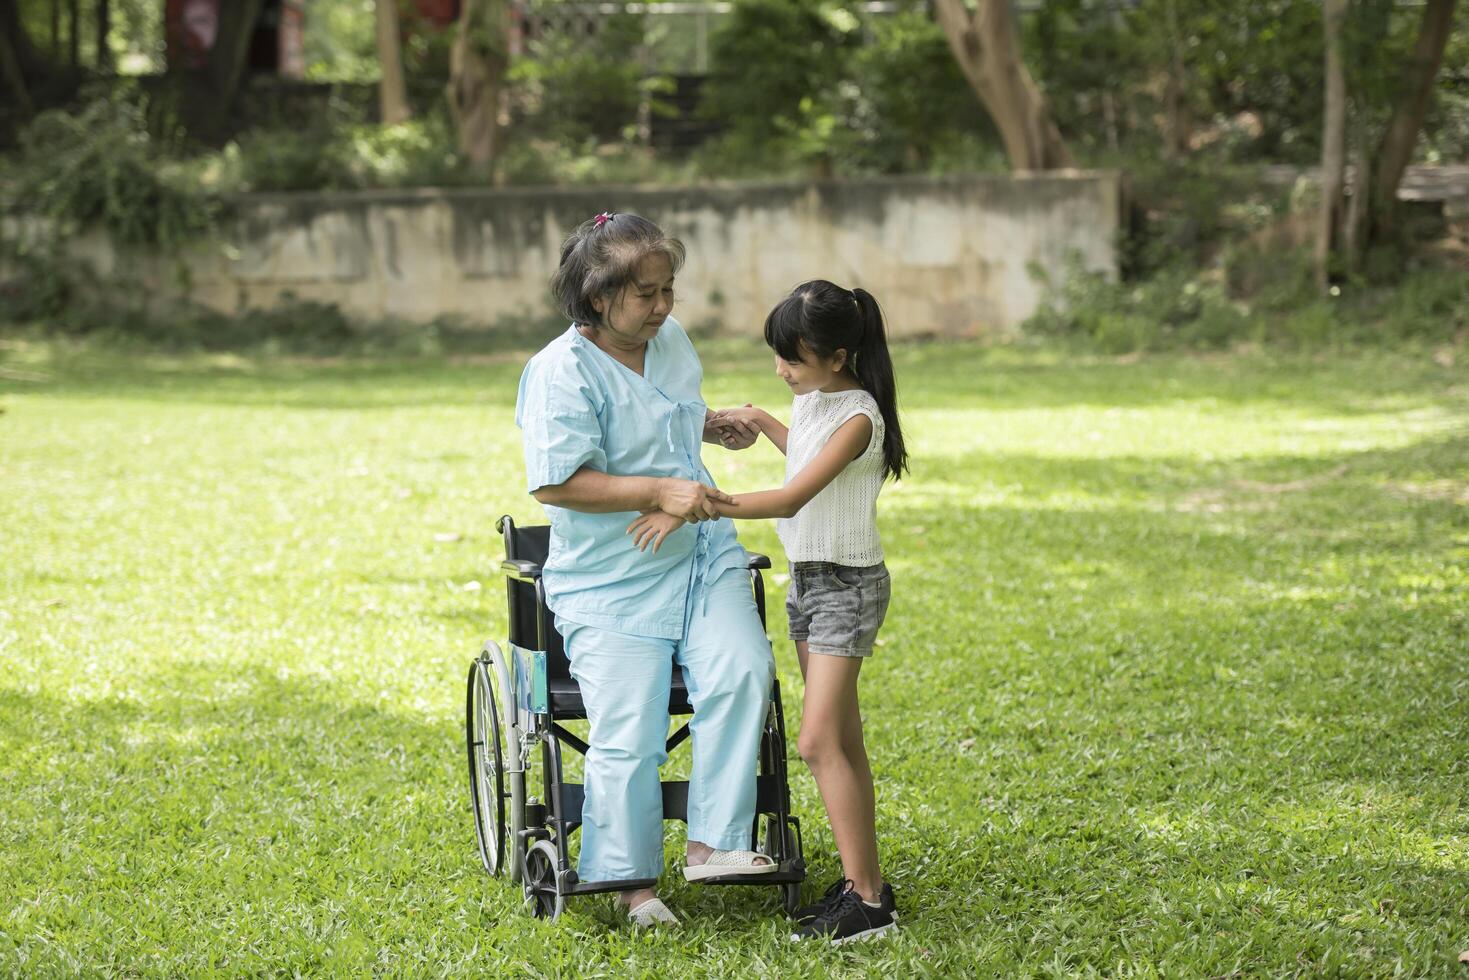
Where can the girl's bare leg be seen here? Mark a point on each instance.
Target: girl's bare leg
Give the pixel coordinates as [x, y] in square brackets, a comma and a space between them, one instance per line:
[831, 744]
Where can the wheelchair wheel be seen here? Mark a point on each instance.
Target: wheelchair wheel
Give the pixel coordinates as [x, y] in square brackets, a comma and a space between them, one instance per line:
[486, 764]
[540, 881]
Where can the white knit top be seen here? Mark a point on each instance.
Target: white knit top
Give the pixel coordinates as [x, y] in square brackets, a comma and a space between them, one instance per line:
[839, 524]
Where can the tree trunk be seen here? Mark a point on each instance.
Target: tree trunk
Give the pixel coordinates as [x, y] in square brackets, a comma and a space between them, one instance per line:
[1395, 151]
[1176, 139]
[392, 91]
[1356, 216]
[74, 36]
[14, 78]
[987, 48]
[1333, 141]
[104, 28]
[477, 65]
[231, 51]
[29, 59]
[203, 99]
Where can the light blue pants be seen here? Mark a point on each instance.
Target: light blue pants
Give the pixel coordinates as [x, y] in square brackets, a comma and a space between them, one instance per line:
[624, 679]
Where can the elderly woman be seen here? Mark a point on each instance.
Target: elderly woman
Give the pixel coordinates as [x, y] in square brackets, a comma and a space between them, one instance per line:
[612, 422]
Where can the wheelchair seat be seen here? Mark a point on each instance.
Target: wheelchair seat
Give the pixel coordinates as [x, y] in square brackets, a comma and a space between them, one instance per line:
[565, 697]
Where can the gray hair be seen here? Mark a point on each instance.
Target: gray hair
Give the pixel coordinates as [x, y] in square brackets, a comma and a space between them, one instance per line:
[602, 256]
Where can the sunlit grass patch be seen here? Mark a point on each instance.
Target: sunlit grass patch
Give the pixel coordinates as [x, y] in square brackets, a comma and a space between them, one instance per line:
[1173, 683]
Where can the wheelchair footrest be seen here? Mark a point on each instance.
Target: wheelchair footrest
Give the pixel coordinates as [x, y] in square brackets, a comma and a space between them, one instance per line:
[594, 887]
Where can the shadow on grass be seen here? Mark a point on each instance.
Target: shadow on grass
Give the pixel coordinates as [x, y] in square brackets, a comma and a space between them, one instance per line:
[1249, 720]
[223, 803]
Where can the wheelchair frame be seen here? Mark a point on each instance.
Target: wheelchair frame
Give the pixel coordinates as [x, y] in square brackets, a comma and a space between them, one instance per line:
[511, 710]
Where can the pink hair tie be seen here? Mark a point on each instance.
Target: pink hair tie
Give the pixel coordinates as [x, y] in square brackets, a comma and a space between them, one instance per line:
[603, 218]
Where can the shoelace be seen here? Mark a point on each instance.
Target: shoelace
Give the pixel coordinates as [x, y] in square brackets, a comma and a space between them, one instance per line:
[832, 895]
[842, 904]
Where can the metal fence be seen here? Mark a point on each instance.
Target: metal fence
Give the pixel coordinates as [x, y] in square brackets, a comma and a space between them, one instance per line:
[675, 33]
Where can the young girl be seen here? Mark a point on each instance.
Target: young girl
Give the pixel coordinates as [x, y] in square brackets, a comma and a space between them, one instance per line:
[844, 441]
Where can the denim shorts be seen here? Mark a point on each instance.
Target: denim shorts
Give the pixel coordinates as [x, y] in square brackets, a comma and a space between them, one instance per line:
[837, 609]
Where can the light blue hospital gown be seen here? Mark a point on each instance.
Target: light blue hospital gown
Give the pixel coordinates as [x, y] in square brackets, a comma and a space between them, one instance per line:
[628, 616]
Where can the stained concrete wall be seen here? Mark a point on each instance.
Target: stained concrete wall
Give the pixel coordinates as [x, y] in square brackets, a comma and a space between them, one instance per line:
[947, 256]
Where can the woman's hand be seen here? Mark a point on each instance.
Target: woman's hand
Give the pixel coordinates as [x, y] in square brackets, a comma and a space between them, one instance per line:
[690, 500]
[730, 430]
[652, 528]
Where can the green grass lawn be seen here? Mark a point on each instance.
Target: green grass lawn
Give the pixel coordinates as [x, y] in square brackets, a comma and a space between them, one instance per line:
[1175, 681]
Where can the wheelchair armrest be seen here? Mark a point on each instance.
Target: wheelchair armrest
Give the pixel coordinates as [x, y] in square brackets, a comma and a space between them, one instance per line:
[526, 571]
[757, 561]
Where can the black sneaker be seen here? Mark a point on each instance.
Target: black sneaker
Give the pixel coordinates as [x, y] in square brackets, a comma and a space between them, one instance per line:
[829, 898]
[849, 919]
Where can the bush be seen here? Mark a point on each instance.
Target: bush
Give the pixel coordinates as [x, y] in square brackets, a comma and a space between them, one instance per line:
[1179, 309]
[287, 160]
[40, 285]
[100, 167]
[417, 153]
[1189, 210]
[1170, 311]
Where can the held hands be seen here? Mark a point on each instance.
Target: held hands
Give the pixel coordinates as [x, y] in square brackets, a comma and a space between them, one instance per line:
[689, 500]
[652, 528]
[681, 502]
[734, 428]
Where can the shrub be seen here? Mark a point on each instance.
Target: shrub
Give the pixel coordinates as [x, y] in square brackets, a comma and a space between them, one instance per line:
[100, 167]
[1178, 309]
[417, 153]
[1171, 310]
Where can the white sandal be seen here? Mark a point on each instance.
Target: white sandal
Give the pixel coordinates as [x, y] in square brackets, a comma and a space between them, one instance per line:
[721, 863]
[651, 913]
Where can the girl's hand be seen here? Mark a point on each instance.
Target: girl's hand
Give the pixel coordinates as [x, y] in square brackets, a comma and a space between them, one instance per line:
[749, 416]
[652, 528]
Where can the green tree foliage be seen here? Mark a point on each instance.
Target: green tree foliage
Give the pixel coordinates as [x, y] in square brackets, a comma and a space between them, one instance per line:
[776, 79]
[339, 41]
[803, 83]
[1446, 132]
[1085, 56]
[914, 107]
[575, 89]
[1248, 75]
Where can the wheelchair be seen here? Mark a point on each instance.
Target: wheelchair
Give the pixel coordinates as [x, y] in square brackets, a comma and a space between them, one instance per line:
[515, 705]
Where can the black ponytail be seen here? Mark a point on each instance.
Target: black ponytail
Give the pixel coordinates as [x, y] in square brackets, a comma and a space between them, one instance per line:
[873, 366]
[824, 318]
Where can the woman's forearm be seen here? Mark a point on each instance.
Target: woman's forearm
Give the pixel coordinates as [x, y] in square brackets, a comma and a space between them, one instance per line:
[593, 492]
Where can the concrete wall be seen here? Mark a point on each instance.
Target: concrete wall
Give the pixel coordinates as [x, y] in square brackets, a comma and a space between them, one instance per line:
[948, 256]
